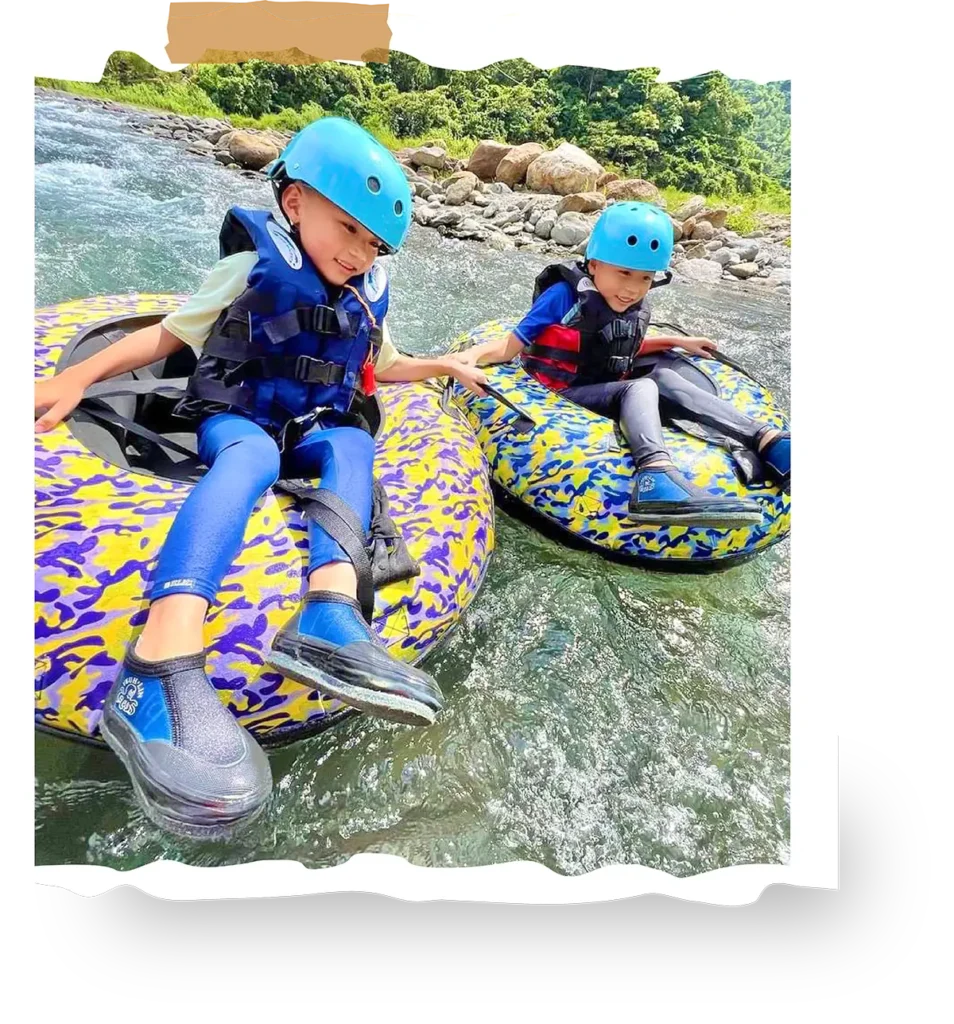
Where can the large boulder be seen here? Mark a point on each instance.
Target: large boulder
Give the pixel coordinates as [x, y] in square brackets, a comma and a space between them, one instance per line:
[605, 178]
[252, 152]
[715, 217]
[429, 156]
[458, 187]
[634, 189]
[692, 206]
[565, 170]
[581, 202]
[570, 229]
[486, 157]
[512, 167]
[703, 231]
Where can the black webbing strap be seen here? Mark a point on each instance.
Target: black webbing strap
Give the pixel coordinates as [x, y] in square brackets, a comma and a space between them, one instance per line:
[93, 407]
[174, 387]
[302, 320]
[549, 352]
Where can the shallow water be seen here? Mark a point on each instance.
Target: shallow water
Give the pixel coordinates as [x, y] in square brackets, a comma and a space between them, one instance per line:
[596, 713]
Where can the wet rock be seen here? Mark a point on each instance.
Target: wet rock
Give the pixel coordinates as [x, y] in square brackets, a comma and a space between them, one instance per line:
[200, 147]
[500, 242]
[252, 152]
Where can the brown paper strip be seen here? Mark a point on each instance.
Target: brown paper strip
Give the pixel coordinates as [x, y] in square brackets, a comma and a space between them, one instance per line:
[292, 33]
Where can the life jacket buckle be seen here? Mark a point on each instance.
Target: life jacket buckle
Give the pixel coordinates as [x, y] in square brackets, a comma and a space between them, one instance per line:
[303, 371]
[324, 320]
[618, 364]
[295, 429]
[623, 330]
[236, 373]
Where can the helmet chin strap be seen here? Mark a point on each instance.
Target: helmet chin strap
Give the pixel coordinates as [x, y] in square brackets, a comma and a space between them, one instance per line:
[664, 280]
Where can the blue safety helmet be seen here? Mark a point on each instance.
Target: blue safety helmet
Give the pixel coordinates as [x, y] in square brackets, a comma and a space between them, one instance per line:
[637, 236]
[349, 167]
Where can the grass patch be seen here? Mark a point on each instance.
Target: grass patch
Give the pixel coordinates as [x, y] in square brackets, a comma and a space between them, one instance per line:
[286, 120]
[456, 148]
[189, 99]
[178, 97]
[745, 209]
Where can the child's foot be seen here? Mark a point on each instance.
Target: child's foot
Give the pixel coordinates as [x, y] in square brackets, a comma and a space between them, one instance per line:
[328, 645]
[664, 497]
[195, 770]
[775, 451]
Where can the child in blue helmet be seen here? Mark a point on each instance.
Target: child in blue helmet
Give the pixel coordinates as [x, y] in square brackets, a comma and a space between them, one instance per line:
[291, 328]
[585, 336]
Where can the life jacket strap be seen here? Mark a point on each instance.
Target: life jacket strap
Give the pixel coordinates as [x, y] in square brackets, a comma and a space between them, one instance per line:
[308, 319]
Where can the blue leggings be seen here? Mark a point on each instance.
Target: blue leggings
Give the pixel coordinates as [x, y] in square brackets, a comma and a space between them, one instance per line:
[244, 462]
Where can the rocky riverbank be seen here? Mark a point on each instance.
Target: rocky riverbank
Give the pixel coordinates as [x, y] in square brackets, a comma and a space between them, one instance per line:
[510, 197]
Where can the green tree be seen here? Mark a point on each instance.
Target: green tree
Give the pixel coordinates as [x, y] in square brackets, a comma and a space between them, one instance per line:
[708, 134]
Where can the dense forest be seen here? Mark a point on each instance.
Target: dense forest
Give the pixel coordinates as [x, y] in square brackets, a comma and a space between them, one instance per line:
[707, 134]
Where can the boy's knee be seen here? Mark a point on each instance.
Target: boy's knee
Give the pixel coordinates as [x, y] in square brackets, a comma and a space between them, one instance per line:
[666, 379]
[257, 456]
[355, 443]
[268, 461]
[643, 388]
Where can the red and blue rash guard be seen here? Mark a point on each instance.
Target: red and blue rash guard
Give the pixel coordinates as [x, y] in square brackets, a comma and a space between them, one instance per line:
[571, 334]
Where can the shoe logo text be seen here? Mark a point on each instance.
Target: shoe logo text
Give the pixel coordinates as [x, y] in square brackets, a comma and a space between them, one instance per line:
[130, 693]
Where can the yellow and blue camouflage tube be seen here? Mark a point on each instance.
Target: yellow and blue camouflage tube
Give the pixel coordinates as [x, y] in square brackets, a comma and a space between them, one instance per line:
[575, 474]
[99, 528]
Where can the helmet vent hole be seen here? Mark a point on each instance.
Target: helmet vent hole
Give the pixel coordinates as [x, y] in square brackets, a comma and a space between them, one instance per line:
[654, 244]
[632, 240]
[374, 184]
[398, 207]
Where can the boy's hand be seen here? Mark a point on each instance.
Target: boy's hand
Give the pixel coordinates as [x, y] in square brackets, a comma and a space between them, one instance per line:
[469, 376]
[697, 346]
[59, 396]
[468, 357]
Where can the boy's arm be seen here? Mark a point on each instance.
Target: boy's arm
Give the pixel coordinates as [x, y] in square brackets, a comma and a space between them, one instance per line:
[697, 346]
[404, 367]
[189, 325]
[136, 350]
[550, 307]
[59, 395]
[498, 350]
[395, 366]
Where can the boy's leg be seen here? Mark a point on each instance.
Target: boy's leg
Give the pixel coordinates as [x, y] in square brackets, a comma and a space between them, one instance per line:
[662, 495]
[195, 769]
[634, 404]
[683, 396]
[328, 644]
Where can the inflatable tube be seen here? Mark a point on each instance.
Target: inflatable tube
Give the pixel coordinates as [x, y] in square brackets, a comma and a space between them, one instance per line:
[100, 526]
[573, 472]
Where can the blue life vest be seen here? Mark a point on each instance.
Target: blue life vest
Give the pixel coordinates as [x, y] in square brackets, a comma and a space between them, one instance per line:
[284, 348]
